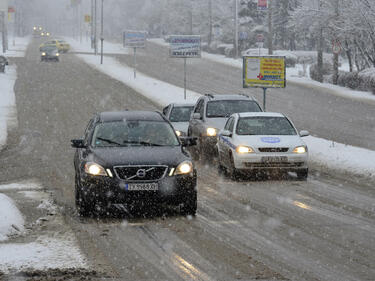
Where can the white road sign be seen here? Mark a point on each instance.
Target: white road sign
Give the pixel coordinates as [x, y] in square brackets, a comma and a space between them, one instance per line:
[185, 46]
[134, 39]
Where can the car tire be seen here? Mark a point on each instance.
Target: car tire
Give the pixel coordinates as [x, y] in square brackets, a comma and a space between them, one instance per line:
[302, 174]
[81, 206]
[189, 206]
[232, 171]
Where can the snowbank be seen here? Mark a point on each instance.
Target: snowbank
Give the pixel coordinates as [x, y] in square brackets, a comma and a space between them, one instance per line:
[24, 185]
[7, 100]
[335, 156]
[11, 220]
[19, 47]
[159, 92]
[44, 253]
[85, 47]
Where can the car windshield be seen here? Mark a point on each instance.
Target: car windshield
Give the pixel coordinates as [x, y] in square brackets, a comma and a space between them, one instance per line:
[265, 126]
[134, 133]
[181, 113]
[225, 108]
[48, 48]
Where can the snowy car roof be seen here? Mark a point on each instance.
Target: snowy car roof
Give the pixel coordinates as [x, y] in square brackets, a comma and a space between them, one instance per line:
[260, 114]
[130, 115]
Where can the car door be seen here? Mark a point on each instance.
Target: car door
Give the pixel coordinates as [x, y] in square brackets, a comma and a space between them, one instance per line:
[227, 142]
[221, 141]
[194, 124]
[166, 111]
[81, 153]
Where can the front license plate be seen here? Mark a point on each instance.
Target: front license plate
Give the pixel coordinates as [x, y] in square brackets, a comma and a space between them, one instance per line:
[142, 186]
[273, 159]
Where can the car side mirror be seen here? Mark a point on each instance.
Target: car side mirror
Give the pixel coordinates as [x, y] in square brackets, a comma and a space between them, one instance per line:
[304, 133]
[78, 143]
[188, 141]
[197, 116]
[226, 133]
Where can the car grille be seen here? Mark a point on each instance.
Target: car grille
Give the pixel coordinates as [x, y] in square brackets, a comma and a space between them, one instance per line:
[273, 149]
[274, 165]
[140, 173]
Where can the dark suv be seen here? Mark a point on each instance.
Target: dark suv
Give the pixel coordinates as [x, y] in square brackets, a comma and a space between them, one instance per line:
[133, 157]
[209, 116]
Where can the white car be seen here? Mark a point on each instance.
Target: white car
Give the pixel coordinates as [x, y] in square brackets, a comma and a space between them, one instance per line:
[179, 116]
[256, 141]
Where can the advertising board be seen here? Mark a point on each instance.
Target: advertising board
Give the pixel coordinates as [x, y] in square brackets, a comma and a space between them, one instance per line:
[185, 46]
[264, 72]
[134, 39]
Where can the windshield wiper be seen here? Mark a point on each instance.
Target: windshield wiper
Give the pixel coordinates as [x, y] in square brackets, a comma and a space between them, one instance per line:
[109, 141]
[142, 142]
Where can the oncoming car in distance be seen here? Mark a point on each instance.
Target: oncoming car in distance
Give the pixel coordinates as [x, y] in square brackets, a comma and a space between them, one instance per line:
[179, 116]
[49, 53]
[261, 141]
[133, 158]
[210, 114]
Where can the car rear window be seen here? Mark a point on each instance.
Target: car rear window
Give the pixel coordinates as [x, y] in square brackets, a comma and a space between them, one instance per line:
[264, 126]
[225, 108]
[181, 113]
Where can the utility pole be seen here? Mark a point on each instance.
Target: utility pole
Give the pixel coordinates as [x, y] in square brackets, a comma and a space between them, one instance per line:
[320, 47]
[101, 34]
[270, 31]
[92, 25]
[191, 17]
[3, 33]
[235, 28]
[209, 23]
[95, 29]
[336, 54]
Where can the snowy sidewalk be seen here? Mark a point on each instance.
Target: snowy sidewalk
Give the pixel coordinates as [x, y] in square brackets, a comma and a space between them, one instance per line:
[323, 153]
[33, 235]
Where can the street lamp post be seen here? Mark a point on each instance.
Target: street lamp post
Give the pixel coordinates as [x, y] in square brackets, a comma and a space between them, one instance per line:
[236, 28]
[95, 33]
[101, 34]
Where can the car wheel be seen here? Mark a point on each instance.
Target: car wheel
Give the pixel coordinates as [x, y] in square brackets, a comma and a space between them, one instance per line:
[220, 168]
[189, 206]
[302, 174]
[233, 172]
[82, 207]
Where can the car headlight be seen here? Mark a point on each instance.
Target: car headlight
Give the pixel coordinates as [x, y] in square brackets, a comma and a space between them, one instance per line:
[57, 54]
[184, 168]
[244, 149]
[94, 169]
[178, 133]
[300, 149]
[43, 54]
[211, 132]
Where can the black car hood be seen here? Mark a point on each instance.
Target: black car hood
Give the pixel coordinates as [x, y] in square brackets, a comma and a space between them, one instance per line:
[115, 156]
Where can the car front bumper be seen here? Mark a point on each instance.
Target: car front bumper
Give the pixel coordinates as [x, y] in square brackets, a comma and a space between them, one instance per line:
[268, 161]
[171, 189]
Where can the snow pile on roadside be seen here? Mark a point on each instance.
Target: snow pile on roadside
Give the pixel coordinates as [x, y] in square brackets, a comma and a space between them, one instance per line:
[340, 157]
[158, 91]
[11, 220]
[44, 253]
[7, 100]
[354, 160]
[19, 47]
[85, 47]
[23, 185]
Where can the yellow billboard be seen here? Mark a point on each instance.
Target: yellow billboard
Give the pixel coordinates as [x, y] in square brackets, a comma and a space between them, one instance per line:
[264, 72]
